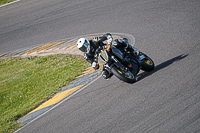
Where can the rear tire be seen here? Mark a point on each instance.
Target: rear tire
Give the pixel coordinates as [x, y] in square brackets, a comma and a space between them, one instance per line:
[124, 76]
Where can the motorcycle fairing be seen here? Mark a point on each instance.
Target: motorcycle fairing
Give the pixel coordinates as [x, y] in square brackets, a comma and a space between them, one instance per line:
[103, 57]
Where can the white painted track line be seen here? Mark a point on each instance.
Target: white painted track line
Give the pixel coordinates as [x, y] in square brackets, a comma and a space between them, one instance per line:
[9, 3]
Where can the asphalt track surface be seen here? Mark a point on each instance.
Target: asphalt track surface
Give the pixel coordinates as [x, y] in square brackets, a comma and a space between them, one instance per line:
[164, 100]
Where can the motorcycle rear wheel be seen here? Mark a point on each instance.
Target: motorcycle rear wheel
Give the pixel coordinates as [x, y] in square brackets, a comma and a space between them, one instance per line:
[124, 76]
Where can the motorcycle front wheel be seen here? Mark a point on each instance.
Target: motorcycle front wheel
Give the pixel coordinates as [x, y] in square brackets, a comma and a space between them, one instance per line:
[147, 63]
[124, 76]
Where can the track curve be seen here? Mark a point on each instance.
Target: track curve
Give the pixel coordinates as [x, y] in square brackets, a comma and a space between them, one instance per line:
[165, 100]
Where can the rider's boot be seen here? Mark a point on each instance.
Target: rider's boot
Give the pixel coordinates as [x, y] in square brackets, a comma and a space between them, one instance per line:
[106, 75]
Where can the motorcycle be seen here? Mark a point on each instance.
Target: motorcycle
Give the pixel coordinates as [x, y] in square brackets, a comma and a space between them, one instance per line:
[124, 65]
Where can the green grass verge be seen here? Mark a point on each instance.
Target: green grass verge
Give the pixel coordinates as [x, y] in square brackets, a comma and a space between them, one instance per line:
[5, 1]
[26, 83]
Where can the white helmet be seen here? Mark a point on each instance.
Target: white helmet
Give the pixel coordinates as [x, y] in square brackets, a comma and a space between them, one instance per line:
[82, 44]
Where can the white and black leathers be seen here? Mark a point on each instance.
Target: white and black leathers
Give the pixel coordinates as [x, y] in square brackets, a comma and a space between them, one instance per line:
[95, 43]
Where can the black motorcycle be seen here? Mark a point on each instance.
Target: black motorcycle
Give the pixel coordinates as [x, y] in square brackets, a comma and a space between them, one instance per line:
[124, 65]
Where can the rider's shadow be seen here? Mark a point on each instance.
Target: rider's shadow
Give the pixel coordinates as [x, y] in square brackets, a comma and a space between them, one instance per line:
[160, 66]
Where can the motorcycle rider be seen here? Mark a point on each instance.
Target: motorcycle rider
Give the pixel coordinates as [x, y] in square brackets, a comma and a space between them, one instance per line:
[90, 47]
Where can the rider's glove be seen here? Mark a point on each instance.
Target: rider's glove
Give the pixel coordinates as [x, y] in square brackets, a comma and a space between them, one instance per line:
[96, 39]
[109, 39]
[95, 65]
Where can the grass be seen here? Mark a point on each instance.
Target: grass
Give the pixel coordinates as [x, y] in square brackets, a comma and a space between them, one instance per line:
[26, 83]
[5, 1]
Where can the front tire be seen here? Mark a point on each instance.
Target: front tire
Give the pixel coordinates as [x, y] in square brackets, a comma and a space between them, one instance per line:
[147, 64]
[124, 76]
